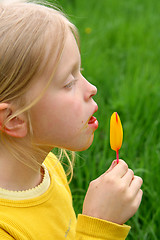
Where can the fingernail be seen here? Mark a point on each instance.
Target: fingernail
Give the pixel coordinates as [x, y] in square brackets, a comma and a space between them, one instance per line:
[114, 163]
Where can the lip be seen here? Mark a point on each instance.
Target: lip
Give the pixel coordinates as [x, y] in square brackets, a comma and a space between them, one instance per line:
[96, 109]
[92, 121]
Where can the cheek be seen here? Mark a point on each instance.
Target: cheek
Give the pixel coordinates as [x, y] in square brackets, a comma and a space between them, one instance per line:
[60, 122]
[61, 112]
[70, 106]
[75, 113]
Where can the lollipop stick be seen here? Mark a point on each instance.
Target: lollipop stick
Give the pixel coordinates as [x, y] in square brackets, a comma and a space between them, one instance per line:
[117, 154]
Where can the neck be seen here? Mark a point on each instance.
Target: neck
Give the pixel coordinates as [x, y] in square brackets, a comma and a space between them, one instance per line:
[15, 175]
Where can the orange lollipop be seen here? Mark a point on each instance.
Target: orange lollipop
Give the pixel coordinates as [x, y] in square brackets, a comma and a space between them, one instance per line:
[116, 133]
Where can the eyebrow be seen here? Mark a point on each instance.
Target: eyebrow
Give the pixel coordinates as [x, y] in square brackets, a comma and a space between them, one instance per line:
[68, 68]
[75, 65]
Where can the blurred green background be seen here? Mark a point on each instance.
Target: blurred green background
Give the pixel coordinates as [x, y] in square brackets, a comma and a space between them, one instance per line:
[120, 47]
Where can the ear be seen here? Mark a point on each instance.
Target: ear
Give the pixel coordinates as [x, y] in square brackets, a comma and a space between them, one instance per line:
[15, 127]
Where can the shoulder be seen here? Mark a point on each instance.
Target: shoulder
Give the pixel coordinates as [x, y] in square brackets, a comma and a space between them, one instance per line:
[53, 163]
[55, 168]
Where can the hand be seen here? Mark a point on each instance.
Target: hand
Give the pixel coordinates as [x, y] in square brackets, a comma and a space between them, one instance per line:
[115, 196]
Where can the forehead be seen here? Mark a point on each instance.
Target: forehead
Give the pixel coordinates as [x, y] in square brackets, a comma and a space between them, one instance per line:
[69, 60]
[70, 57]
[70, 47]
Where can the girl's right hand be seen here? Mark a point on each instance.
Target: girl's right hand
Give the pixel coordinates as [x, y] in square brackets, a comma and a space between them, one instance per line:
[115, 196]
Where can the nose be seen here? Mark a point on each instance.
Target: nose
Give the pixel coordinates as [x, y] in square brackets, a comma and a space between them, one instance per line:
[91, 90]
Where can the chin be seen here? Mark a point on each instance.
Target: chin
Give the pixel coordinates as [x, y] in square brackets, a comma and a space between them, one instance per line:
[84, 147]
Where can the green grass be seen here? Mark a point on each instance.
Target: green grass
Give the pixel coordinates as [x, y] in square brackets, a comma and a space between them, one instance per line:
[121, 56]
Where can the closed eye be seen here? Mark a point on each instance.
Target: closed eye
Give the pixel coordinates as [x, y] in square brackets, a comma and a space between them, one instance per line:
[70, 84]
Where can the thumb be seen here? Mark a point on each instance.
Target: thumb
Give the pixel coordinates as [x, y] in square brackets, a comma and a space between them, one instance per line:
[114, 163]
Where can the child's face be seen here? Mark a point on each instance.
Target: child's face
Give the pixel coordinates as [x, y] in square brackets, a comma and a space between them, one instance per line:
[61, 116]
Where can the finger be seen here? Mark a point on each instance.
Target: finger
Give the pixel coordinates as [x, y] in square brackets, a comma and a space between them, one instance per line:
[120, 169]
[128, 177]
[136, 184]
[138, 199]
[114, 163]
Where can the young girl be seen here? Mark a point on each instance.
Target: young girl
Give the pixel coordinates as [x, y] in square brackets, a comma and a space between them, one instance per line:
[45, 102]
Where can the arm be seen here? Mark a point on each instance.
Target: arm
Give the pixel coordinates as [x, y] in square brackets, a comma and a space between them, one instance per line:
[89, 228]
[4, 235]
[110, 201]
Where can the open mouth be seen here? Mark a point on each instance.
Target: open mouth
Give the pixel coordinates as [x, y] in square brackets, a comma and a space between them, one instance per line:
[92, 120]
[93, 123]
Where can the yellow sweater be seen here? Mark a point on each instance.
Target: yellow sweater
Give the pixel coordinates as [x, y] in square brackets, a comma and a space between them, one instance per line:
[50, 216]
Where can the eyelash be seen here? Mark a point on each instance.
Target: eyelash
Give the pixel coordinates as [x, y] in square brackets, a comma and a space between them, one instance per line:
[70, 84]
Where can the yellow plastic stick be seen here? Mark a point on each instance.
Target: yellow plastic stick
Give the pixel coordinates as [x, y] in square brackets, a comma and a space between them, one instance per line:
[116, 134]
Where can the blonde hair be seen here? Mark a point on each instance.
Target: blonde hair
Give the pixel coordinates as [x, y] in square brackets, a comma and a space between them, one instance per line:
[26, 28]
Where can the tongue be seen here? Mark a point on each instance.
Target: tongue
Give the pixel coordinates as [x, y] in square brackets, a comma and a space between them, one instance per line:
[92, 120]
